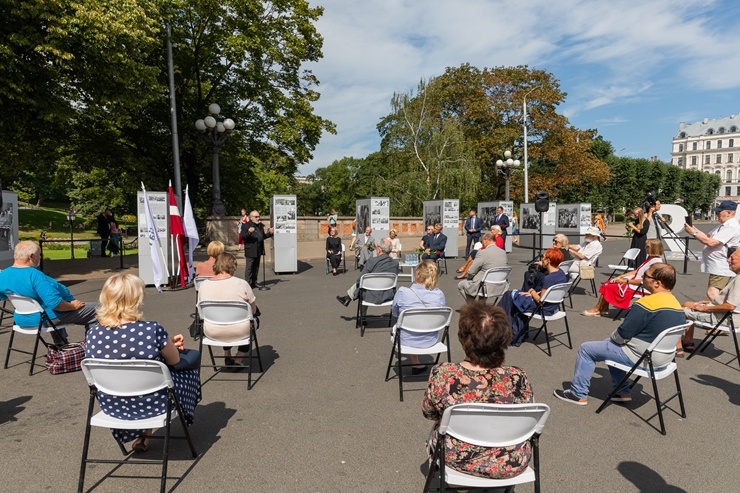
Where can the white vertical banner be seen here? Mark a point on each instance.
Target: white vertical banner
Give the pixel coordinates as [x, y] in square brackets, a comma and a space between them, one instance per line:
[191, 231]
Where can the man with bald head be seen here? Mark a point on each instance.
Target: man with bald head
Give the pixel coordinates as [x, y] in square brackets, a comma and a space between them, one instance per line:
[253, 233]
[24, 279]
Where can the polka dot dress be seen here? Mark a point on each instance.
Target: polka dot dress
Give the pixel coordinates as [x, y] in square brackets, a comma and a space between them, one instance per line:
[140, 340]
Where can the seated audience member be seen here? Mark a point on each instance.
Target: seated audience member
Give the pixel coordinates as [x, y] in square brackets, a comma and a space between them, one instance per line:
[498, 237]
[484, 334]
[425, 242]
[223, 286]
[334, 250]
[515, 303]
[436, 244]
[122, 333]
[215, 248]
[363, 245]
[395, 244]
[488, 257]
[536, 272]
[619, 290]
[423, 293]
[24, 279]
[380, 263]
[712, 311]
[587, 252]
[648, 317]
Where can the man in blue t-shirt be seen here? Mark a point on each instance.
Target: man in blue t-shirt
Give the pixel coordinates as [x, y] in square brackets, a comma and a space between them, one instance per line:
[24, 279]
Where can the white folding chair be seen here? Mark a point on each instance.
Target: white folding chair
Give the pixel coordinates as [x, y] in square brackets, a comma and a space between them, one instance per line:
[28, 306]
[495, 283]
[577, 279]
[626, 264]
[374, 282]
[725, 324]
[197, 282]
[665, 343]
[230, 313]
[420, 321]
[488, 425]
[554, 295]
[127, 378]
[565, 266]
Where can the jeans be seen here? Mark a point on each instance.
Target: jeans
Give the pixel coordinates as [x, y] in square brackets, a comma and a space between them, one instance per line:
[588, 355]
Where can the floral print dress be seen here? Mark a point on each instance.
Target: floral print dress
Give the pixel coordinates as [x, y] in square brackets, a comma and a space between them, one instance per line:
[450, 384]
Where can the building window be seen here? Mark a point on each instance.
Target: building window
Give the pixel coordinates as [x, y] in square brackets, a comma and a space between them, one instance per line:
[693, 146]
[729, 158]
[710, 131]
[682, 135]
[693, 160]
[738, 191]
[680, 161]
[728, 176]
[706, 159]
[708, 145]
[680, 147]
[721, 130]
[719, 144]
[731, 143]
[728, 191]
[718, 159]
[733, 129]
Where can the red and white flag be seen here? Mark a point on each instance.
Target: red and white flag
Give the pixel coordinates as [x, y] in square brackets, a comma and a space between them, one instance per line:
[178, 232]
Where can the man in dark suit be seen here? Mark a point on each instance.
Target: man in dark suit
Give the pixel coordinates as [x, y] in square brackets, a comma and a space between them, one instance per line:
[254, 234]
[436, 243]
[501, 220]
[104, 230]
[472, 227]
[380, 263]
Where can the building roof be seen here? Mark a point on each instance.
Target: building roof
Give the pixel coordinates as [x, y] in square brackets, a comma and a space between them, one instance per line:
[730, 124]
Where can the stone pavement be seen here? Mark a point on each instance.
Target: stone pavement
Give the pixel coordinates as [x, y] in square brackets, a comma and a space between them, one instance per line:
[321, 418]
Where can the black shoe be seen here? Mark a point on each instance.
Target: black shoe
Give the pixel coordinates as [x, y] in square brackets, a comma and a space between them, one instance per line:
[419, 370]
[567, 396]
[459, 271]
[228, 361]
[345, 300]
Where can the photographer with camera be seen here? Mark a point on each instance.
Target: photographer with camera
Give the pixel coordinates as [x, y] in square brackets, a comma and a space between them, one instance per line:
[536, 272]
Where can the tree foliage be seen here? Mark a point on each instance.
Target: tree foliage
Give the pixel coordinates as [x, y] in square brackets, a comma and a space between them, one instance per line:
[87, 83]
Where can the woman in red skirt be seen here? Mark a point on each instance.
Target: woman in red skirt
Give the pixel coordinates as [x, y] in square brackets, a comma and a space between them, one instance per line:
[619, 291]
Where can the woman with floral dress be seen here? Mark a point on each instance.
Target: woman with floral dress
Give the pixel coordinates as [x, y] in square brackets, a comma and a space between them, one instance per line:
[122, 333]
[484, 333]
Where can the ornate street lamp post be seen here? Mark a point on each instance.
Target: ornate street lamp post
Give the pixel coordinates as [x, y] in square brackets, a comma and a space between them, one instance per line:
[71, 216]
[506, 168]
[216, 130]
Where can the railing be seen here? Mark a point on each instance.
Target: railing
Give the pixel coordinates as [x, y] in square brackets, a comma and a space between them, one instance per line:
[72, 242]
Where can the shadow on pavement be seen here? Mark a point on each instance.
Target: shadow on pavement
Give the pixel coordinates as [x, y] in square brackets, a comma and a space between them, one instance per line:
[645, 479]
[9, 409]
[730, 388]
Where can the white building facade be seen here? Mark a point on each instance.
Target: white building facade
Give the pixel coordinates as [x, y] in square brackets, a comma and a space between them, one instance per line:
[712, 146]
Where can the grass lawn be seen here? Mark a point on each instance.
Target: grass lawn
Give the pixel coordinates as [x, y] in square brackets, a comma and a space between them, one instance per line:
[79, 253]
[53, 220]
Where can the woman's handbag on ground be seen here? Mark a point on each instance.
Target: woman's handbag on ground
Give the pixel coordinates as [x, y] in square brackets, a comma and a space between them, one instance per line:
[65, 357]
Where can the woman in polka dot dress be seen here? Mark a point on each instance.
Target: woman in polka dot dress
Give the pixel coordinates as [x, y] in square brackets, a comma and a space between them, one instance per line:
[121, 333]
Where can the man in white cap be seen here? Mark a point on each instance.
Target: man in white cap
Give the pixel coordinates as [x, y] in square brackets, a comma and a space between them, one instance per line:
[587, 252]
[716, 242]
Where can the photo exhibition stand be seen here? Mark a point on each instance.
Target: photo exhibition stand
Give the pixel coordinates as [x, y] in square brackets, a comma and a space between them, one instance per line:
[161, 214]
[283, 213]
[487, 213]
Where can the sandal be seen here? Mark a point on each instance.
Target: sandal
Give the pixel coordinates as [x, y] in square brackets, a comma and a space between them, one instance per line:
[689, 347]
[141, 444]
[587, 313]
[680, 352]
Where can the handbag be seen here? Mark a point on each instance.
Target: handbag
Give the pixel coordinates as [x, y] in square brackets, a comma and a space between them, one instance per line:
[189, 360]
[587, 272]
[64, 358]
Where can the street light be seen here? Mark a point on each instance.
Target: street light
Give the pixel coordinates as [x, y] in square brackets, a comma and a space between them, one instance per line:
[506, 168]
[525, 123]
[71, 216]
[216, 130]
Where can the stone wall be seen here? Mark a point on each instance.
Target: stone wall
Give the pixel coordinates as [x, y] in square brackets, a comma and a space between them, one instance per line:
[314, 228]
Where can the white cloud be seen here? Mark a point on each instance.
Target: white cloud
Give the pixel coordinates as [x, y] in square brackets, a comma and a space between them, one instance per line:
[606, 54]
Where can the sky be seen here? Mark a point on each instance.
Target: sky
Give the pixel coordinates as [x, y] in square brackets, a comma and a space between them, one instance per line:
[631, 69]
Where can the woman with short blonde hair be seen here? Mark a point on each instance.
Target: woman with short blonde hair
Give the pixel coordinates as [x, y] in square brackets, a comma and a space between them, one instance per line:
[424, 293]
[215, 248]
[122, 334]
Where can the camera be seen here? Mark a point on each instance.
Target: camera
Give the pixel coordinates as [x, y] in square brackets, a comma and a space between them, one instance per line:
[649, 201]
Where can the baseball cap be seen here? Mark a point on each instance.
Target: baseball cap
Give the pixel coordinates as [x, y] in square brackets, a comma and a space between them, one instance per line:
[726, 205]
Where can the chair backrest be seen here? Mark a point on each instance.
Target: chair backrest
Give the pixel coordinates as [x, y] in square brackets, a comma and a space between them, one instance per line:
[225, 312]
[666, 341]
[429, 319]
[381, 281]
[556, 293]
[494, 425]
[565, 265]
[198, 281]
[631, 254]
[127, 377]
[497, 275]
[24, 305]
[343, 248]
